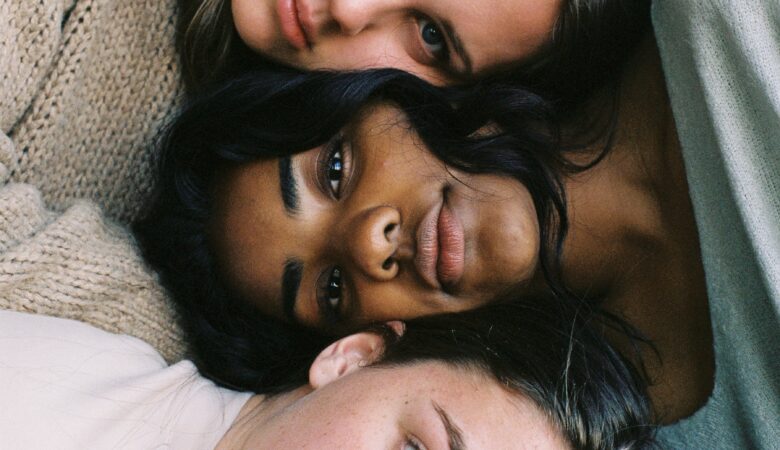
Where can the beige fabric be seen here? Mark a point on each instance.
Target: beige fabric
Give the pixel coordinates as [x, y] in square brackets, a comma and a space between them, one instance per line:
[78, 266]
[83, 99]
[84, 85]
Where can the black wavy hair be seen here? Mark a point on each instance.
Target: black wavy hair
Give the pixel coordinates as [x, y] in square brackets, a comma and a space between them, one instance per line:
[273, 114]
[548, 351]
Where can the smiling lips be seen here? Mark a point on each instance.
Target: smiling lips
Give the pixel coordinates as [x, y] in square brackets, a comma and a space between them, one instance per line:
[440, 254]
[291, 25]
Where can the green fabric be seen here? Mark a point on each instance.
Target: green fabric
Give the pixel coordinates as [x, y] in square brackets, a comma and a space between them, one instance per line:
[721, 59]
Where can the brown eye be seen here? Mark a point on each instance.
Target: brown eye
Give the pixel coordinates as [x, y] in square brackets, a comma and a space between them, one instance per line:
[332, 167]
[335, 172]
[330, 295]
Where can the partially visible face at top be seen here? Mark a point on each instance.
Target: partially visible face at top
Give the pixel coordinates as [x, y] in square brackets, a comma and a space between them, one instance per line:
[370, 226]
[442, 41]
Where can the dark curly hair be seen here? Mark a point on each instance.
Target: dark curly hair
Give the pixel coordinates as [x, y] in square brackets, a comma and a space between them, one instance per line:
[544, 347]
[270, 114]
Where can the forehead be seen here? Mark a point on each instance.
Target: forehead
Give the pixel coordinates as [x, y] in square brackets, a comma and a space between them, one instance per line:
[490, 415]
[247, 206]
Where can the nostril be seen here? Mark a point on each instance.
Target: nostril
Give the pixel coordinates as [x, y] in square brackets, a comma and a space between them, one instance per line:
[388, 264]
[389, 229]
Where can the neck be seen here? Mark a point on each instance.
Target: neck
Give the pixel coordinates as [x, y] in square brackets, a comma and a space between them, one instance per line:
[257, 412]
[633, 243]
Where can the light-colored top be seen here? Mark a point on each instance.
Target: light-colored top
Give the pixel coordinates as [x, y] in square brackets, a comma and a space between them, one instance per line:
[67, 385]
[721, 60]
[78, 265]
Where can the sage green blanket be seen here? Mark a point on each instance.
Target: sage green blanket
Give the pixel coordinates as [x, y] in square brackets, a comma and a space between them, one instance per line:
[721, 59]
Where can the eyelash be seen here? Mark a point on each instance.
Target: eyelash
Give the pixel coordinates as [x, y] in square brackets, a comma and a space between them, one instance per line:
[441, 55]
[333, 165]
[331, 279]
[413, 443]
[334, 160]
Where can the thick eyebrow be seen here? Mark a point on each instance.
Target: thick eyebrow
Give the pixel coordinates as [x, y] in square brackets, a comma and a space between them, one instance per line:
[453, 431]
[457, 45]
[291, 282]
[288, 186]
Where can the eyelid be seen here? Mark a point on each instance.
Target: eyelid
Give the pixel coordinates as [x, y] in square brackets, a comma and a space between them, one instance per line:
[414, 440]
[337, 142]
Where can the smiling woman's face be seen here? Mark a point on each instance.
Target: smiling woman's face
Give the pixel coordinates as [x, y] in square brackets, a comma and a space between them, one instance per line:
[439, 40]
[370, 226]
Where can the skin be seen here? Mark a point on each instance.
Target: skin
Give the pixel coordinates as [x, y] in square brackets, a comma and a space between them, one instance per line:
[632, 245]
[349, 404]
[361, 34]
[390, 185]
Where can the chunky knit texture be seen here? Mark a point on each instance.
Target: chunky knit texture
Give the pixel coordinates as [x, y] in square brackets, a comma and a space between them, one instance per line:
[84, 86]
[78, 266]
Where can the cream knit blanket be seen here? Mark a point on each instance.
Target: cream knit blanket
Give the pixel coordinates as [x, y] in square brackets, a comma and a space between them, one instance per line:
[84, 86]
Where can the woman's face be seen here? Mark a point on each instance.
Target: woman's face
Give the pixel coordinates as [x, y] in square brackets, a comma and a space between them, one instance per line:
[427, 405]
[439, 40]
[370, 226]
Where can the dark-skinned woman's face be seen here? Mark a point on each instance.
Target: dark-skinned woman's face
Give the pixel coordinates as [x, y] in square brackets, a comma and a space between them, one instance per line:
[370, 226]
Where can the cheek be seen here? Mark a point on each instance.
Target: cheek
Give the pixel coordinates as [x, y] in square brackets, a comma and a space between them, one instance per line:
[367, 51]
[253, 20]
[509, 245]
[398, 299]
[362, 51]
[337, 416]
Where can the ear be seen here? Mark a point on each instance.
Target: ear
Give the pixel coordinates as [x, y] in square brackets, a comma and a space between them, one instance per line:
[345, 356]
[397, 326]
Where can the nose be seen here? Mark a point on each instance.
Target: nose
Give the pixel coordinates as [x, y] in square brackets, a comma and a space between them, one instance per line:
[372, 240]
[354, 16]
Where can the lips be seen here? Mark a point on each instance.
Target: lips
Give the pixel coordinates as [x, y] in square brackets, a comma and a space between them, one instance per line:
[440, 256]
[292, 28]
[451, 247]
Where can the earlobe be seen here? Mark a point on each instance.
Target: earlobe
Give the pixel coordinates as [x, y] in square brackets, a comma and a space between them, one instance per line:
[344, 357]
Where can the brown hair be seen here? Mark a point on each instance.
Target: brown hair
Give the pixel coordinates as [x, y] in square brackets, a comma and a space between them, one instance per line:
[208, 43]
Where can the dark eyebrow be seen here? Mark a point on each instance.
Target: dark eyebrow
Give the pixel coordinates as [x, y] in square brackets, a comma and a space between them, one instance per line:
[457, 45]
[288, 186]
[291, 281]
[453, 431]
